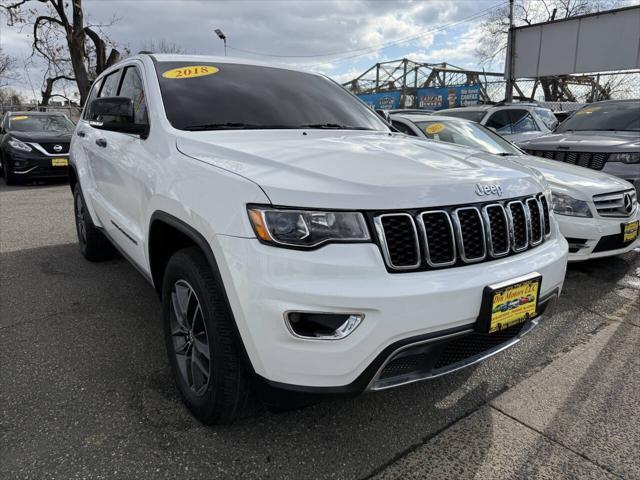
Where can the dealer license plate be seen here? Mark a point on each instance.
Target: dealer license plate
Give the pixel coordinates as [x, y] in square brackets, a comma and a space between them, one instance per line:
[506, 305]
[630, 231]
[59, 162]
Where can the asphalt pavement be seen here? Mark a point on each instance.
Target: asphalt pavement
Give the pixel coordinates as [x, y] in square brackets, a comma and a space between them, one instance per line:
[86, 391]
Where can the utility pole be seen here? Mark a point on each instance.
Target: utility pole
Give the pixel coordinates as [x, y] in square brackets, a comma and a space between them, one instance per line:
[510, 56]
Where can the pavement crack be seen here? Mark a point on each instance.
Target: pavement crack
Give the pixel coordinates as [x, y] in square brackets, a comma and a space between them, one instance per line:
[554, 441]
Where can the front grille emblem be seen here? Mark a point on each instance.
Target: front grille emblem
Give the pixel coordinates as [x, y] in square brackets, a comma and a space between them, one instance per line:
[57, 148]
[628, 203]
[486, 189]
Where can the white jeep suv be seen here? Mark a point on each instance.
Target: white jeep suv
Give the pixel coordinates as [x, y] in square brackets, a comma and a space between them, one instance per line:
[299, 246]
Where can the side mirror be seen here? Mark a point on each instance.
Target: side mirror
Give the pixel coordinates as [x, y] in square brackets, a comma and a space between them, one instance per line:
[115, 114]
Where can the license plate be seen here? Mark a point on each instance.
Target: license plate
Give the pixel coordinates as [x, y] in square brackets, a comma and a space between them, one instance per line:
[508, 304]
[630, 231]
[59, 162]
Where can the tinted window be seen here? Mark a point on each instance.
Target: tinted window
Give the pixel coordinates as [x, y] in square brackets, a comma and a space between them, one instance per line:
[473, 115]
[500, 121]
[402, 128]
[229, 96]
[522, 121]
[605, 116]
[547, 117]
[92, 95]
[40, 123]
[468, 134]
[132, 88]
[110, 84]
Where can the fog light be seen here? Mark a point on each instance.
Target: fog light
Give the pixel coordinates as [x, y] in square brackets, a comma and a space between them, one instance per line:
[322, 326]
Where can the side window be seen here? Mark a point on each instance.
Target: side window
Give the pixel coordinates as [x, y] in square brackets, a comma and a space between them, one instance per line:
[92, 95]
[523, 121]
[110, 85]
[402, 128]
[132, 88]
[548, 118]
[500, 122]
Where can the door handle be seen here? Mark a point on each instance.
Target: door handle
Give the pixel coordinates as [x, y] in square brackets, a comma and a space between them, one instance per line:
[101, 142]
[81, 133]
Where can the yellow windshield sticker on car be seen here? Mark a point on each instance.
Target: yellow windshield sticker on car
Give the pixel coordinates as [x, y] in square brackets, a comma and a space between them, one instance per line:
[434, 128]
[20, 117]
[587, 110]
[191, 71]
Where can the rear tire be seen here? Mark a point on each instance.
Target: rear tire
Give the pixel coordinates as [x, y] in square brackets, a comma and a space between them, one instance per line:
[94, 245]
[203, 347]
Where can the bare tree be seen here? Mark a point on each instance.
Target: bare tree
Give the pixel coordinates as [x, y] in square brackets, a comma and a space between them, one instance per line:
[8, 68]
[9, 96]
[162, 46]
[73, 49]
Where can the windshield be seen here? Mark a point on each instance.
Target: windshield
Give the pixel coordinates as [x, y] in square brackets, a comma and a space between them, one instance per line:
[226, 96]
[604, 116]
[467, 134]
[40, 123]
[473, 115]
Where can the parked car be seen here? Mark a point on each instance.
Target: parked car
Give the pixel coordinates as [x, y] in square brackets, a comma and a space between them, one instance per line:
[516, 122]
[601, 136]
[34, 146]
[597, 213]
[300, 251]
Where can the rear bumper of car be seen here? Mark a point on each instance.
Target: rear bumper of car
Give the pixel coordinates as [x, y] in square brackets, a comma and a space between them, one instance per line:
[263, 283]
[34, 165]
[596, 237]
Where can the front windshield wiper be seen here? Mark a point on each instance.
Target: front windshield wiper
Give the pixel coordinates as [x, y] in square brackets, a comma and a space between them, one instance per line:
[233, 126]
[334, 126]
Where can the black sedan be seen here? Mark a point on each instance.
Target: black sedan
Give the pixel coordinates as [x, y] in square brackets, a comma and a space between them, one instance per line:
[34, 146]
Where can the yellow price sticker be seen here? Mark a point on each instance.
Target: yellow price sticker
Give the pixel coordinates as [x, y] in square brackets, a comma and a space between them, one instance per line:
[19, 117]
[587, 110]
[434, 128]
[191, 71]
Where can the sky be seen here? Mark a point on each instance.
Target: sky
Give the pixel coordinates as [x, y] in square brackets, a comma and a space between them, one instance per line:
[341, 38]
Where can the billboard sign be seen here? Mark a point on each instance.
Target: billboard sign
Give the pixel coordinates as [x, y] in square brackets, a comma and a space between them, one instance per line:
[382, 101]
[433, 98]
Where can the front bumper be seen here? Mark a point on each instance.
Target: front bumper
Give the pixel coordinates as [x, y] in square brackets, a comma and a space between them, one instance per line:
[34, 165]
[263, 282]
[595, 237]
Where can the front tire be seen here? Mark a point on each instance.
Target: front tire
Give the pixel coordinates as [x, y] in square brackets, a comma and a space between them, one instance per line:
[202, 344]
[9, 177]
[94, 245]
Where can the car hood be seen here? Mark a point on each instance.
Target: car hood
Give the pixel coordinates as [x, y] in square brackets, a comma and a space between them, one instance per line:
[360, 170]
[580, 182]
[587, 141]
[41, 136]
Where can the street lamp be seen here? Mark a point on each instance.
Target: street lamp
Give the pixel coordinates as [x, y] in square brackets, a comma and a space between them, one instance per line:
[222, 37]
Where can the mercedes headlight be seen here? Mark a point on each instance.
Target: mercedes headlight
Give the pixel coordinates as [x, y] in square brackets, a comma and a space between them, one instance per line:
[307, 228]
[630, 157]
[19, 145]
[567, 205]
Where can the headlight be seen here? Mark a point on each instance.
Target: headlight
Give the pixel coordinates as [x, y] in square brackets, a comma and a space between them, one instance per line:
[566, 205]
[307, 228]
[18, 145]
[631, 157]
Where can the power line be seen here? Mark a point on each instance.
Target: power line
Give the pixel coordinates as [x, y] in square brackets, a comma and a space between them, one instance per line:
[381, 46]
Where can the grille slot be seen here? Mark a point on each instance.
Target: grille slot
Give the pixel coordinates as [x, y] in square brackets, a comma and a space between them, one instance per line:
[498, 231]
[471, 234]
[613, 204]
[593, 160]
[519, 228]
[456, 236]
[400, 240]
[49, 147]
[440, 242]
[535, 216]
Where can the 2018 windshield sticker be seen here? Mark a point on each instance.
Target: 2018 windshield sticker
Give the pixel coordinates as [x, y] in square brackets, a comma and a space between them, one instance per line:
[191, 71]
[434, 128]
[587, 110]
[21, 117]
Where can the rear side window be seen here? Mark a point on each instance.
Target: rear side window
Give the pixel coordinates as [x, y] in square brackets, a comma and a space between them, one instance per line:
[132, 88]
[110, 84]
[522, 121]
[500, 122]
[548, 118]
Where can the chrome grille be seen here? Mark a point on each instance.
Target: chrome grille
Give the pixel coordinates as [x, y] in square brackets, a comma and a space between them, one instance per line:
[461, 235]
[593, 160]
[613, 204]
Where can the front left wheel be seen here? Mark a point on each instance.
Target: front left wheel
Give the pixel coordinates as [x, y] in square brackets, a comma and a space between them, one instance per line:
[202, 344]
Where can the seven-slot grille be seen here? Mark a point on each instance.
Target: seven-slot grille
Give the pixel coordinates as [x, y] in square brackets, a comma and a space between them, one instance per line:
[593, 160]
[461, 235]
[619, 204]
[64, 147]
